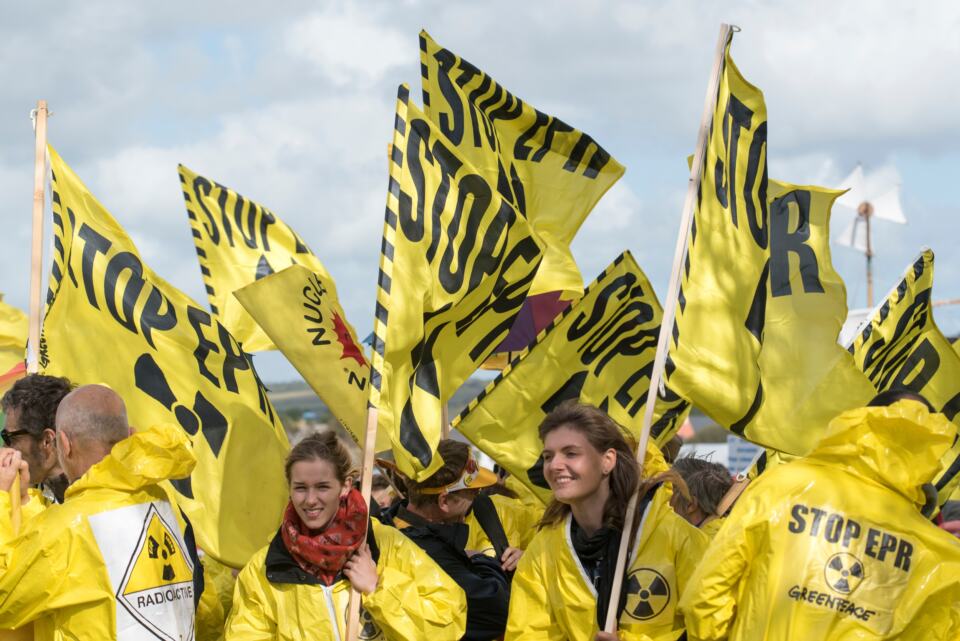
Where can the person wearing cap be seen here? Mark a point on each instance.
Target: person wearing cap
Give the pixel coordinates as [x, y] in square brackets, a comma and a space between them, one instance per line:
[434, 519]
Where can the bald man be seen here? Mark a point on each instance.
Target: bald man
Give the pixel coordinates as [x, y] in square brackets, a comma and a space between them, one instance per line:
[116, 560]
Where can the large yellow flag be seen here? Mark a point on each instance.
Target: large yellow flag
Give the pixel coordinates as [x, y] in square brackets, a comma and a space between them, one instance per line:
[299, 311]
[760, 304]
[238, 241]
[549, 171]
[13, 344]
[111, 320]
[600, 351]
[456, 264]
[901, 347]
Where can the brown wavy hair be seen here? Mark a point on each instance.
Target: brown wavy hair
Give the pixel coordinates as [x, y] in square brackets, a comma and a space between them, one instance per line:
[324, 446]
[603, 433]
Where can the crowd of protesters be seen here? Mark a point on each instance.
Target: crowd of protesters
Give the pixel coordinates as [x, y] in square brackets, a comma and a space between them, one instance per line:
[843, 543]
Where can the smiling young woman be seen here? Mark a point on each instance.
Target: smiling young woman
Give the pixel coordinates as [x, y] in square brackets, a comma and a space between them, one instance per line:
[297, 587]
[562, 585]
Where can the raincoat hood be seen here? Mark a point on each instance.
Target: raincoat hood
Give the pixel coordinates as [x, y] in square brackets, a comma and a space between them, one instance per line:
[899, 445]
[147, 457]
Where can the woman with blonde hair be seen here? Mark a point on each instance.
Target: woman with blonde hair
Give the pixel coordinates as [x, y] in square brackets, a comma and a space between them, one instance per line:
[298, 587]
[562, 586]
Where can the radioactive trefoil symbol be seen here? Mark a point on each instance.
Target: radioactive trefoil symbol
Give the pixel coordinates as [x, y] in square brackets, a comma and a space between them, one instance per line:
[155, 551]
[648, 594]
[368, 627]
[843, 572]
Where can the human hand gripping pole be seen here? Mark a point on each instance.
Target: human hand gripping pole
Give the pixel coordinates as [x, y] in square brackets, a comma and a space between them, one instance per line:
[669, 313]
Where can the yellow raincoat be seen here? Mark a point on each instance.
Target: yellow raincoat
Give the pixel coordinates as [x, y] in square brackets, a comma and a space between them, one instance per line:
[414, 600]
[552, 598]
[519, 522]
[833, 545]
[110, 563]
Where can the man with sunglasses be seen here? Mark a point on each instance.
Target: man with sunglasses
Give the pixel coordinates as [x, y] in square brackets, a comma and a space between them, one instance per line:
[30, 408]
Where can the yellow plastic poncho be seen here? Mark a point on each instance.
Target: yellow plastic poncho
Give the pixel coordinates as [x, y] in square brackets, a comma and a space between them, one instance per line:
[519, 522]
[552, 598]
[111, 562]
[414, 600]
[833, 545]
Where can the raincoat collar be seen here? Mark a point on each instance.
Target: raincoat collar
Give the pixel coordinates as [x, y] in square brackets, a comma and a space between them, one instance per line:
[898, 446]
[281, 568]
[147, 457]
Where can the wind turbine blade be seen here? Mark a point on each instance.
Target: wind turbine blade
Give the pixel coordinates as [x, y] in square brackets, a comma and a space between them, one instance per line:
[854, 235]
[857, 194]
[887, 206]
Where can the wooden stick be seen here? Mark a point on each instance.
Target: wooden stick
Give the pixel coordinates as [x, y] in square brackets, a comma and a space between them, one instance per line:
[36, 252]
[669, 313]
[366, 485]
[445, 421]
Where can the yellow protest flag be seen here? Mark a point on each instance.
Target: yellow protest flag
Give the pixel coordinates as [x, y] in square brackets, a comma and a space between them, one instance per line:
[549, 171]
[714, 352]
[456, 263]
[760, 304]
[901, 347]
[13, 344]
[238, 241]
[807, 377]
[110, 319]
[298, 309]
[600, 350]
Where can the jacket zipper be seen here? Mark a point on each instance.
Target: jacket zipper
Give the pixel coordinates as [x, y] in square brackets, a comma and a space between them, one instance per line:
[332, 610]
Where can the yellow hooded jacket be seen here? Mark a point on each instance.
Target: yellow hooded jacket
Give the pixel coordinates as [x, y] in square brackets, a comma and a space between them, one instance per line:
[519, 522]
[110, 563]
[833, 546]
[553, 599]
[414, 600]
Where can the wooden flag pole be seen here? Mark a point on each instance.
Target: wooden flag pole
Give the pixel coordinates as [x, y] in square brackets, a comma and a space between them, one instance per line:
[36, 251]
[15, 504]
[366, 485]
[444, 421]
[669, 314]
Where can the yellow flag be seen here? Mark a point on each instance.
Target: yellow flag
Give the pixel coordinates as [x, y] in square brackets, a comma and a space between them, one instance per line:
[901, 347]
[600, 351]
[456, 264]
[111, 320]
[760, 304]
[238, 241]
[551, 172]
[299, 311]
[13, 336]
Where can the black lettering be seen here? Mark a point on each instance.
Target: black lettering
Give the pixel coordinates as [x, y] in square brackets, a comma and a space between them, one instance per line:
[359, 381]
[873, 537]
[521, 150]
[783, 243]
[201, 190]
[818, 514]
[798, 524]
[478, 191]
[850, 532]
[233, 358]
[919, 368]
[222, 203]
[833, 528]
[418, 137]
[737, 116]
[904, 552]
[153, 319]
[93, 244]
[199, 319]
[888, 543]
[450, 124]
[121, 262]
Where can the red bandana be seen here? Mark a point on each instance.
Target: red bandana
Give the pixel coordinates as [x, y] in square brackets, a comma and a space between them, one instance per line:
[324, 554]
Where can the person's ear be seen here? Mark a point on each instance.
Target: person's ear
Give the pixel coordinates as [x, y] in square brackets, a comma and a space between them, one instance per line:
[608, 462]
[64, 443]
[443, 502]
[347, 486]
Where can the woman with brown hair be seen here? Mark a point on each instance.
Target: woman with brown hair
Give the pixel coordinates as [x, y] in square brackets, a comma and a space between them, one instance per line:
[298, 587]
[561, 589]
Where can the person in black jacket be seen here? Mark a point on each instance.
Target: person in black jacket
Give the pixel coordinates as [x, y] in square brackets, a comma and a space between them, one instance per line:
[433, 519]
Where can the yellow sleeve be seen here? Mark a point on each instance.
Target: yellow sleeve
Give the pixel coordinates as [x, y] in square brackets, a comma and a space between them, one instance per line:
[210, 617]
[529, 618]
[33, 507]
[414, 598]
[6, 518]
[251, 617]
[692, 543]
[709, 599]
[33, 570]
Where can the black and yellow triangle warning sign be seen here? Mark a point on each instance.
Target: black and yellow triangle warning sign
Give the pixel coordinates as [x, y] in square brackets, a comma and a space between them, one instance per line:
[160, 560]
[157, 587]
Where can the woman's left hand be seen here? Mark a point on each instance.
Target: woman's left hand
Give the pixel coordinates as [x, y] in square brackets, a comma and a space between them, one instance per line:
[362, 571]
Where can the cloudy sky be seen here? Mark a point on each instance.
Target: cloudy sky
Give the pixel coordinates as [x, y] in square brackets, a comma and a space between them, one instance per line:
[291, 104]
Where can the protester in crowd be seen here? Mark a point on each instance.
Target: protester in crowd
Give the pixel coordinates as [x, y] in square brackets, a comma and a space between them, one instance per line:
[298, 586]
[707, 482]
[434, 519]
[382, 492]
[562, 586]
[30, 409]
[116, 537]
[834, 545]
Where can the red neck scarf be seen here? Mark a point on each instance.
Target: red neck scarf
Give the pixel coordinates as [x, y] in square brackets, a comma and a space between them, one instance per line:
[323, 554]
